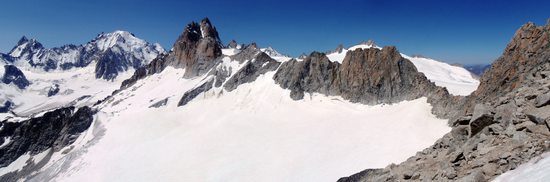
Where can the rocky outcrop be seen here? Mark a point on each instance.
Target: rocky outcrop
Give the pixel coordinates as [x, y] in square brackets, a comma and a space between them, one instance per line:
[6, 106]
[247, 53]
[156, 66]
[54, 130]
[12, 74]
[54, 89]
[197, 49]
[111, 63]
[191, 94]
[502, 125]
[232, 44]
[261, 64]
[160, 103]
[369, 76]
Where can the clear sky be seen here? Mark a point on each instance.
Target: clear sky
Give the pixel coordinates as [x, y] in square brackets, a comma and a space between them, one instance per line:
[455, 31]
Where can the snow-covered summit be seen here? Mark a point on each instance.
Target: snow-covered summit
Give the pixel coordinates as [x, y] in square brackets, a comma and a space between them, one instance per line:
[25, 46]
[272, 52]
[456, 79]
[123, 39]
[122, 49]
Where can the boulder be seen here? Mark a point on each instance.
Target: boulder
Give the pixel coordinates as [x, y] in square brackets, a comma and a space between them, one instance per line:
[476, 176]
[542, 100]
[538, 115]
[481, 118]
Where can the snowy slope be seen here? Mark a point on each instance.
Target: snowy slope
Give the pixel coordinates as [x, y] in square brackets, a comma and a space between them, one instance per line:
[534, 171]
[457, 80]
[254, 133]
[275, 54]
[73, 70]
[76, 86]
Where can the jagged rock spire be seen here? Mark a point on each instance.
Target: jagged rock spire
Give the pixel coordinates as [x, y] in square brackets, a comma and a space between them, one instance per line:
[197, 48]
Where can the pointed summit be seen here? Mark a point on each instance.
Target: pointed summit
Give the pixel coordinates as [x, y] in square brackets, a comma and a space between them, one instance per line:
[207, 30]
[197, 48]
[25, 46]
[23, 40]
[232, 44]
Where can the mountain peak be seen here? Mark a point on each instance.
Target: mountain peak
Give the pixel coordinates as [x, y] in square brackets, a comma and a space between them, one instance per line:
[23, 40]
[207, 30]
[25, 45]
[197, 47]
[272, 52]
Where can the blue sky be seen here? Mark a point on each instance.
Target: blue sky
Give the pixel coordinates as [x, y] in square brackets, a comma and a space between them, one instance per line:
[455, 31]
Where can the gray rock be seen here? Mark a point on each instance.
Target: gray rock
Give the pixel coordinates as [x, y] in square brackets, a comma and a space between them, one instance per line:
[542, 100]
[232, 44]
[160, 103]
[53, 90]
[251, 70]
[520, 137]
[481, 118]
[191, 94]
[538, 115]
[248, 53]
[476, 176]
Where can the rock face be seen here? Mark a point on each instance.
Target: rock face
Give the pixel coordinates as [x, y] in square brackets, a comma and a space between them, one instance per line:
[191, 94]
[156, 66]
[369, 76]
[12, 74]
[251, 70]
[115, 52]
[481, 118]
[500, 126]
[197, 49]
[6, 106]
[232, 44]
[527, 53]
[111, 63]
[54, 130]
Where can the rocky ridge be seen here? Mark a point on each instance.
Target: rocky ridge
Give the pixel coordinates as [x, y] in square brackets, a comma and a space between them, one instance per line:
[370, 76]
[53, 131]
[503, 124]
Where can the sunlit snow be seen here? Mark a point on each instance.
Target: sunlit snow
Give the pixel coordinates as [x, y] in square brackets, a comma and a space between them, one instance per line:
[254, 133]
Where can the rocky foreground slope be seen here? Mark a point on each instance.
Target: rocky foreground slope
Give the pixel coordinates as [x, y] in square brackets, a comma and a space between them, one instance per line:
[505, 122]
